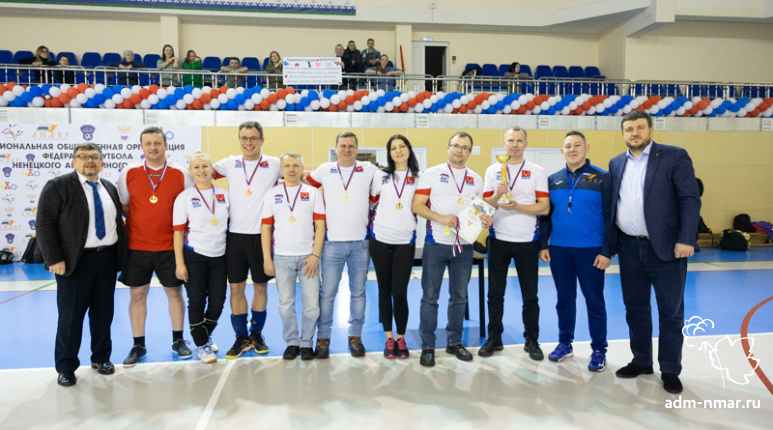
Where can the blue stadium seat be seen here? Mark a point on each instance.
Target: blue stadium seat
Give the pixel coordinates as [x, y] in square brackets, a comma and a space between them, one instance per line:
[562, 73]
[6, 57]
[111, 59]
[253, 65]
[91, 59]
[526, 69]
[543, 71]
[226, 61]
[212, 63]
[265, 62]
[151, 60]
[593, 72]
[503, 68]
[490, 71]
[22, 54]
[576, 72]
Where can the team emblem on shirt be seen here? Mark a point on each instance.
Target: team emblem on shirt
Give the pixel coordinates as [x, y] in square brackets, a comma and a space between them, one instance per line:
[238, 164]
[333, 170]
[304, 197]
[384, 180]
[409, 180]
[443, 178]
[278, 199]
[526, 174]
[358, 169]
[263, 165]
[195, 202]
[470, 180]
[220, 198]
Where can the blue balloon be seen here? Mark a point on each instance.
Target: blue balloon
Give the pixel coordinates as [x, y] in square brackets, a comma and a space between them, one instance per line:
[35, 91]
[18, 102]
[289, 107]
[712, 114]
[231, 104]
[91, 104]
[381, 101]
[500, 105]
[560, 106]
[441, 104]
[551, 110]
[163, 105]
[433, 108]
[449, 98]
[107, 93]
[99, 98]
[674, 105]
[45, 89]
[223, 106]
[170, 100]
[188, 89]
[365, 108]
[247, 94]
[27, 97]
[492, 110]
[179, 93]
[727, 103]
[327, 93]
[117, 89]
[667, 110]
[305, 102]
[239, 99]
[613, 109]
[735, 108]
[373, 106]
[313, 95]
[720, 110]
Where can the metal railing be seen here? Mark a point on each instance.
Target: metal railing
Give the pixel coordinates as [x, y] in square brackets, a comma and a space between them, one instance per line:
[28, 75]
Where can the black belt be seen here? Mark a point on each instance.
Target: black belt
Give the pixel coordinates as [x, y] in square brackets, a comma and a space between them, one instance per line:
[639, 238]
[98, 248]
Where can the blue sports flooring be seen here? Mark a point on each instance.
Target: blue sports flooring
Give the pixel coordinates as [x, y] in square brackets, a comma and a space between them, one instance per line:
[721, 285]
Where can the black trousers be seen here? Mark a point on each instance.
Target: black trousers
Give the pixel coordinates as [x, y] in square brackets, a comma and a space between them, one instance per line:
[206, 289]
[526, 256]
[90, 287]
[393, 264]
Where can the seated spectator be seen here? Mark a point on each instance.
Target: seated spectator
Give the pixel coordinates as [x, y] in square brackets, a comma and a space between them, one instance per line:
[384, 69]
[128, 63]
[192, 62]
[352, 59]
[41, 59]
[66, 76]
[168, 63]
[370, 56]
[274, 66]
[234, 67]
[340, 54]
[514, 72]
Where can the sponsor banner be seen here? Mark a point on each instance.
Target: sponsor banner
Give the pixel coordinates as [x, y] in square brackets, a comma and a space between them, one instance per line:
[31, 154]
[312, 71]
[332, 7]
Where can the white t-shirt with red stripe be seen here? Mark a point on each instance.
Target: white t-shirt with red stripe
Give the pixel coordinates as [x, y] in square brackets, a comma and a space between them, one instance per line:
[293, 238]
[193, 214]
[442, 183]
[246, 209]
[532, 182]
[347, 220]
[390, 224]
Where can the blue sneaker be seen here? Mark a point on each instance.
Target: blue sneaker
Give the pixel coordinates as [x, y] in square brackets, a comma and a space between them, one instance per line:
[598, 361]
[561, 352]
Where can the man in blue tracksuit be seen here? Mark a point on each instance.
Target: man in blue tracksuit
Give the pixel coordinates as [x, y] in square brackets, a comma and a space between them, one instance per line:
[577, 230]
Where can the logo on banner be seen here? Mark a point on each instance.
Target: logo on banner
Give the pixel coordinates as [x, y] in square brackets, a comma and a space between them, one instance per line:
[8, 211]
[27, 238]
[88, 132]
[29, 211]
[124, 131]
[32, 224]
[32, 197]
[9, 225]
[196, 202]
[8, 199]
[31, 185]
[168, 134]
[12, 132]
[10, 237]
[30, 157]
[49, 132]
[8, 186]
[54, 173]
[5, 158]
[7, 172]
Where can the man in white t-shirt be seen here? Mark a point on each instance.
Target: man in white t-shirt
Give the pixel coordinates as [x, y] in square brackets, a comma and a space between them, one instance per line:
[346, 188]
[249, 176]
[515, 235]
[294, 216]
[441, 192]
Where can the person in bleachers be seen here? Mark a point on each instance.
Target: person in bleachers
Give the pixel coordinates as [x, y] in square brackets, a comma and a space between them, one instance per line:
[234, 66]
[192, 62]
[41, 58]
[65, 75]
[340, 54]
[514, 72]
[370, 55]
[274, 66]
[167, 63]
[352, 59]
[129, 63]
[384, 69]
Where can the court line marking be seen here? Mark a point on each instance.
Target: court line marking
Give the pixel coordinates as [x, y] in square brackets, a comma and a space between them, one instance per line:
[30, 291]
[747, 349]
[207, 414]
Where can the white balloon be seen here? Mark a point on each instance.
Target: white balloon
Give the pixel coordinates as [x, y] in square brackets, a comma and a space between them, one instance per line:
[73, 103]
[249, 105]
[3, 101]
[335, 99]
[507, 109]
[662, 104]
[208, 106]
[196, 93]
[136, 89]
[500, 96]
[82, 99]
[456, 104]
[162, 93]
[117, 99]
[38, 101]
[537, 110]
[448, 108]
[634, 104]
[608, 103]
[412, 94]
[222, 98]
[281, 104]
[126, 93]
[53, 92]
[397, 101]
[358, 106]
[654, 109]
[314, 105]
[90, 92]
[215, 104]
[492, 100]
[419, 108]
[290, 99]
[256, 98]
[365, 100]
[324, 103]
[108, 104]
[523, 99]
[240, 90]
[485, 105]
[153, 99]
[18, 90]
[433, 99]
[478, 109]
[544, 106]
[380, 93]
[716, 102]
[687, 105]
[380, 109]
[145, 103]
[464, 100]
[708, 110]
[99, 88]
[426, 103]
[565, 110]
[349, 92]
[265, 93]
[572, 106]
[741, 112]
[180, 104]
[680, 111]
[188, 99]
[230, 93]
[350, 108]
[240, 108]
[404, 97]
[389, 106]
[304, 93]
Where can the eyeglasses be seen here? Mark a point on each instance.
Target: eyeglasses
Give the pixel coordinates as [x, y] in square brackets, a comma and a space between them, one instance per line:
[92, 157]
[253, 139]
[463, 148]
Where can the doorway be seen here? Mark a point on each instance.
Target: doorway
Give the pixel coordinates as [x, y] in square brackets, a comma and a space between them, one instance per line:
[430, 58]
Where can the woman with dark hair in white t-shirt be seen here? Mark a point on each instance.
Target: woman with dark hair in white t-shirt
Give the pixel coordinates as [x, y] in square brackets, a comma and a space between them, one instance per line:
[200, 220]
[393, 239]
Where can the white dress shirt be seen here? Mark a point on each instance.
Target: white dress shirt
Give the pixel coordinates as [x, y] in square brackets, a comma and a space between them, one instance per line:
[108, 208]
[630, 203]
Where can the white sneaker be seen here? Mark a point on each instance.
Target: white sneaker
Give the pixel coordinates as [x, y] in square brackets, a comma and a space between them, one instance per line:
[206, 355]
[212, 345]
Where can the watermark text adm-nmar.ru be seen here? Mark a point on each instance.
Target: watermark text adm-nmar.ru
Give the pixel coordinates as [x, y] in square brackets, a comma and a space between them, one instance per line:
[681, 403]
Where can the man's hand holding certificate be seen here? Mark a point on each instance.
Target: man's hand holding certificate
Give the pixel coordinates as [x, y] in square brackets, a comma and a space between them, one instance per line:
[474, 216]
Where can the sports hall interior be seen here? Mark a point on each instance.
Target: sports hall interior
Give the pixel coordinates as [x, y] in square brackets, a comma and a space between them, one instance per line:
[637, 40]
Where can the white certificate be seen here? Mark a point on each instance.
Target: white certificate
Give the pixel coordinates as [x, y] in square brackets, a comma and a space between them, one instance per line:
[469, 220]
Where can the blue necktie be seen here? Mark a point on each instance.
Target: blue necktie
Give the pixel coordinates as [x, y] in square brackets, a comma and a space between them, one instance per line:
[99, 214]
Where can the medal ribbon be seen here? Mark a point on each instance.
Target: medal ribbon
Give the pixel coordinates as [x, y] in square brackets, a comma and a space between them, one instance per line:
[464, 181]
[152, 185]
[295, 200]
[244, 168]
[457, 249]
[346, 185]
[394, 184]
[212, 209]
[573, 184]
[517, 175]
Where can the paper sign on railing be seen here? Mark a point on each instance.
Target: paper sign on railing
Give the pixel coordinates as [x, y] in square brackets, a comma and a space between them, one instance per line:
[312, 71]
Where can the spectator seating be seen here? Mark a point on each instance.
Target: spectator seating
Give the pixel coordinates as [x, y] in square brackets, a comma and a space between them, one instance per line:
[576, 72]
[91, 59]
[543, 71]
[111, 59]
[593, 72]
[490, 71]
[22, 54]
[253, 65]
[526, 69]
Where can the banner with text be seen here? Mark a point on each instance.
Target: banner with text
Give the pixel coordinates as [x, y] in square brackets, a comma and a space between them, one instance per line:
[330, 7]
[312, 71]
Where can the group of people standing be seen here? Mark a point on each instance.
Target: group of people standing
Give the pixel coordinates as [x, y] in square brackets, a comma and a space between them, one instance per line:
[189, 231]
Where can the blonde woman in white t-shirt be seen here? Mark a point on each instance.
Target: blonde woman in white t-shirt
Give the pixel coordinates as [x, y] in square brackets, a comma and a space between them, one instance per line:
[200, 221]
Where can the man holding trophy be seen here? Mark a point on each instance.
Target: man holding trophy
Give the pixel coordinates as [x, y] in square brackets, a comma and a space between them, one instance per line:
[519, 190]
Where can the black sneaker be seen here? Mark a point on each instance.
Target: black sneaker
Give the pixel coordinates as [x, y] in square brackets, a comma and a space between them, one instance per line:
[427, 357]
[491, 345]
[323, 348]
[356, 347]
[532, 347]
[459, 351]
[291, 352]
[242, 344]
[258, 343]
[307, 354]
[390, 348]
[402, 349]
[180, 348]
[137, 353]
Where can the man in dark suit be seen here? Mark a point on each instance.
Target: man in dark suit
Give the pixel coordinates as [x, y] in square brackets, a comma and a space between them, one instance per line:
[83, 239]
[655, 210]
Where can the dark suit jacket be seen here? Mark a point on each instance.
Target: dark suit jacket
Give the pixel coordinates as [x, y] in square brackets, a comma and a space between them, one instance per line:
[671, 200]
[63, 220]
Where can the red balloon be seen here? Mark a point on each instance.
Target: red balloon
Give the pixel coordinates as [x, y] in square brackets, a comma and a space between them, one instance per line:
[404, 107]
[332, 108]
[64, 98]
[82, 87]
[72, 92]
[281, 93]
[290, 90]
[135, 99]
[578, 111]
[522, 110]
[530, 105]
[56, 103]
[127, 104]
[411, 102]
[144, 93]
[342, 105]
[197, 104]
[419, 97]
[463, 109]
[205, 98]
[272, 98]
[349, 100]
[358, 95]
[265, 104]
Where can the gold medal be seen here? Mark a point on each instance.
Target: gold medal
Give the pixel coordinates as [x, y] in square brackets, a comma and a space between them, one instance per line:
[399, 205]
[248, 192]
[446, 230]
[153, 199]
[214, 221]
[460, 200]
[292, 218]
[346, 197]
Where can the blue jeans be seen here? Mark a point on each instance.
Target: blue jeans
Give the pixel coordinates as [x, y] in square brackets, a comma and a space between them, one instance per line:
[356, 257]
[435, 258]
[289, 269]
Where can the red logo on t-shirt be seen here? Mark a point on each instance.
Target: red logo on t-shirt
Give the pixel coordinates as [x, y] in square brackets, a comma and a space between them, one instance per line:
[409, 180]
[358, 169]
[304, 196]
[470, 180]
[263, 164]
[220, 198]
[526, 174]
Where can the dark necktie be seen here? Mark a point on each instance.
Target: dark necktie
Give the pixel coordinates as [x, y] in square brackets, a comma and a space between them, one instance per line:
[99, 214]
